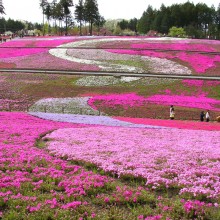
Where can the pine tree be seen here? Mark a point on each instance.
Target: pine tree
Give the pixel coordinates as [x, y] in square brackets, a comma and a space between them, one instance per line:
[79, 14]
[2, 9]
[91, 13]
[66, 4]
[43, 4]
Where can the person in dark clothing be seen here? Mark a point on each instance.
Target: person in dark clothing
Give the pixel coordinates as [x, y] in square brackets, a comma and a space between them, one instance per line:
[202, 115]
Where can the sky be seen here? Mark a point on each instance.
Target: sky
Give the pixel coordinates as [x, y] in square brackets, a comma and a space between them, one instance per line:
[29, 10]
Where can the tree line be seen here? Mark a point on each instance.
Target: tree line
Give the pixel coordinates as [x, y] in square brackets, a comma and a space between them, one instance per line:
[187, 19]
[198, 21]
[58, 11]
[86, 12]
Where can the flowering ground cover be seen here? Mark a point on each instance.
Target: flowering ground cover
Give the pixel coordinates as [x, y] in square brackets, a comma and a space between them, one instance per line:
[130, 100]
[114, 103]
[115, 62]
[165, 158]
[37, 185]
[140, 57]
[20, 96]
[198, 62]
[91, 120]
[191, 125]
[99, 167]
[25, 47]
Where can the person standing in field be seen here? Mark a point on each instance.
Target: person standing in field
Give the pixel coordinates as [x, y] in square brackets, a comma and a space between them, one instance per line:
[172, 112]
[202, 115]
[207, 116]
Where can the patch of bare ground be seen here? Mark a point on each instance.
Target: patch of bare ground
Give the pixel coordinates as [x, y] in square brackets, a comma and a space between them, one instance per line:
[7, 65]
[214, 71]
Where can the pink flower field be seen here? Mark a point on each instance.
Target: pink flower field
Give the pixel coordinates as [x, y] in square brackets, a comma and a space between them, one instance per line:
[25, 47]
[199, 62]
[180, 51]
[78, 153]
[164, 158]
[189, 125]
[131, 100]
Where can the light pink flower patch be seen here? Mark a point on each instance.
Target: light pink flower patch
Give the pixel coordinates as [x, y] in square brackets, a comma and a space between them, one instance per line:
[165, 157]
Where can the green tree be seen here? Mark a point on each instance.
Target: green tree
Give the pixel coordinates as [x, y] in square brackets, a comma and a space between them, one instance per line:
[91, 13]
[58, 14]
[205, 18]
[176, 32]
[46, 28]
[2, 9]
[66, 4]
[146, 21]
[99, 22]
[43, 4]
[53, 13]
[123, 24]
[79, 14]
[48, 12]
[132, 25]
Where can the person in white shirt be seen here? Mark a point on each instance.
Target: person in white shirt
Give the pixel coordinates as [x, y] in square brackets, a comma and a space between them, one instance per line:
[172, 112]
[207, 116]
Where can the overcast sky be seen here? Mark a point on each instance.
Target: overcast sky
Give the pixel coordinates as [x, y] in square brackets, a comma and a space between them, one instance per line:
[29, 10]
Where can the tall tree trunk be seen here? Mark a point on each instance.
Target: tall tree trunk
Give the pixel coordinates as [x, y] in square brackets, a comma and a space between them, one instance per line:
[80, 28]
[66, 26]
[43, 25]
[91, 28]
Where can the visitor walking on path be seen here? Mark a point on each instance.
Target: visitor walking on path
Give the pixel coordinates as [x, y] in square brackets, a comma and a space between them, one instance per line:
[172, 112]
[202, 115]
[207, 116]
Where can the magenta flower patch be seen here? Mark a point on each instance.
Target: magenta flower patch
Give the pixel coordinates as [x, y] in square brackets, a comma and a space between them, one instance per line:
[132, 99]
[12, 51]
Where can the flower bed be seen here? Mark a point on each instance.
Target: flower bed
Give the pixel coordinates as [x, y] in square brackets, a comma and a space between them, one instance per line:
[132, 100]
[200, 63]
[143, 60]
[34, 184]
[187, 160]
[35, 46]
[191, 125]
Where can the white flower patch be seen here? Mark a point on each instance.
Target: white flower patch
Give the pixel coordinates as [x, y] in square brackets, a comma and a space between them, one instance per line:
[62, 53]
[165, 66]
[103, 80]
[76, 105]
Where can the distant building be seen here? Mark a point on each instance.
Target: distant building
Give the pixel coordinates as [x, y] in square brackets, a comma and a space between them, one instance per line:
[152, 33]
